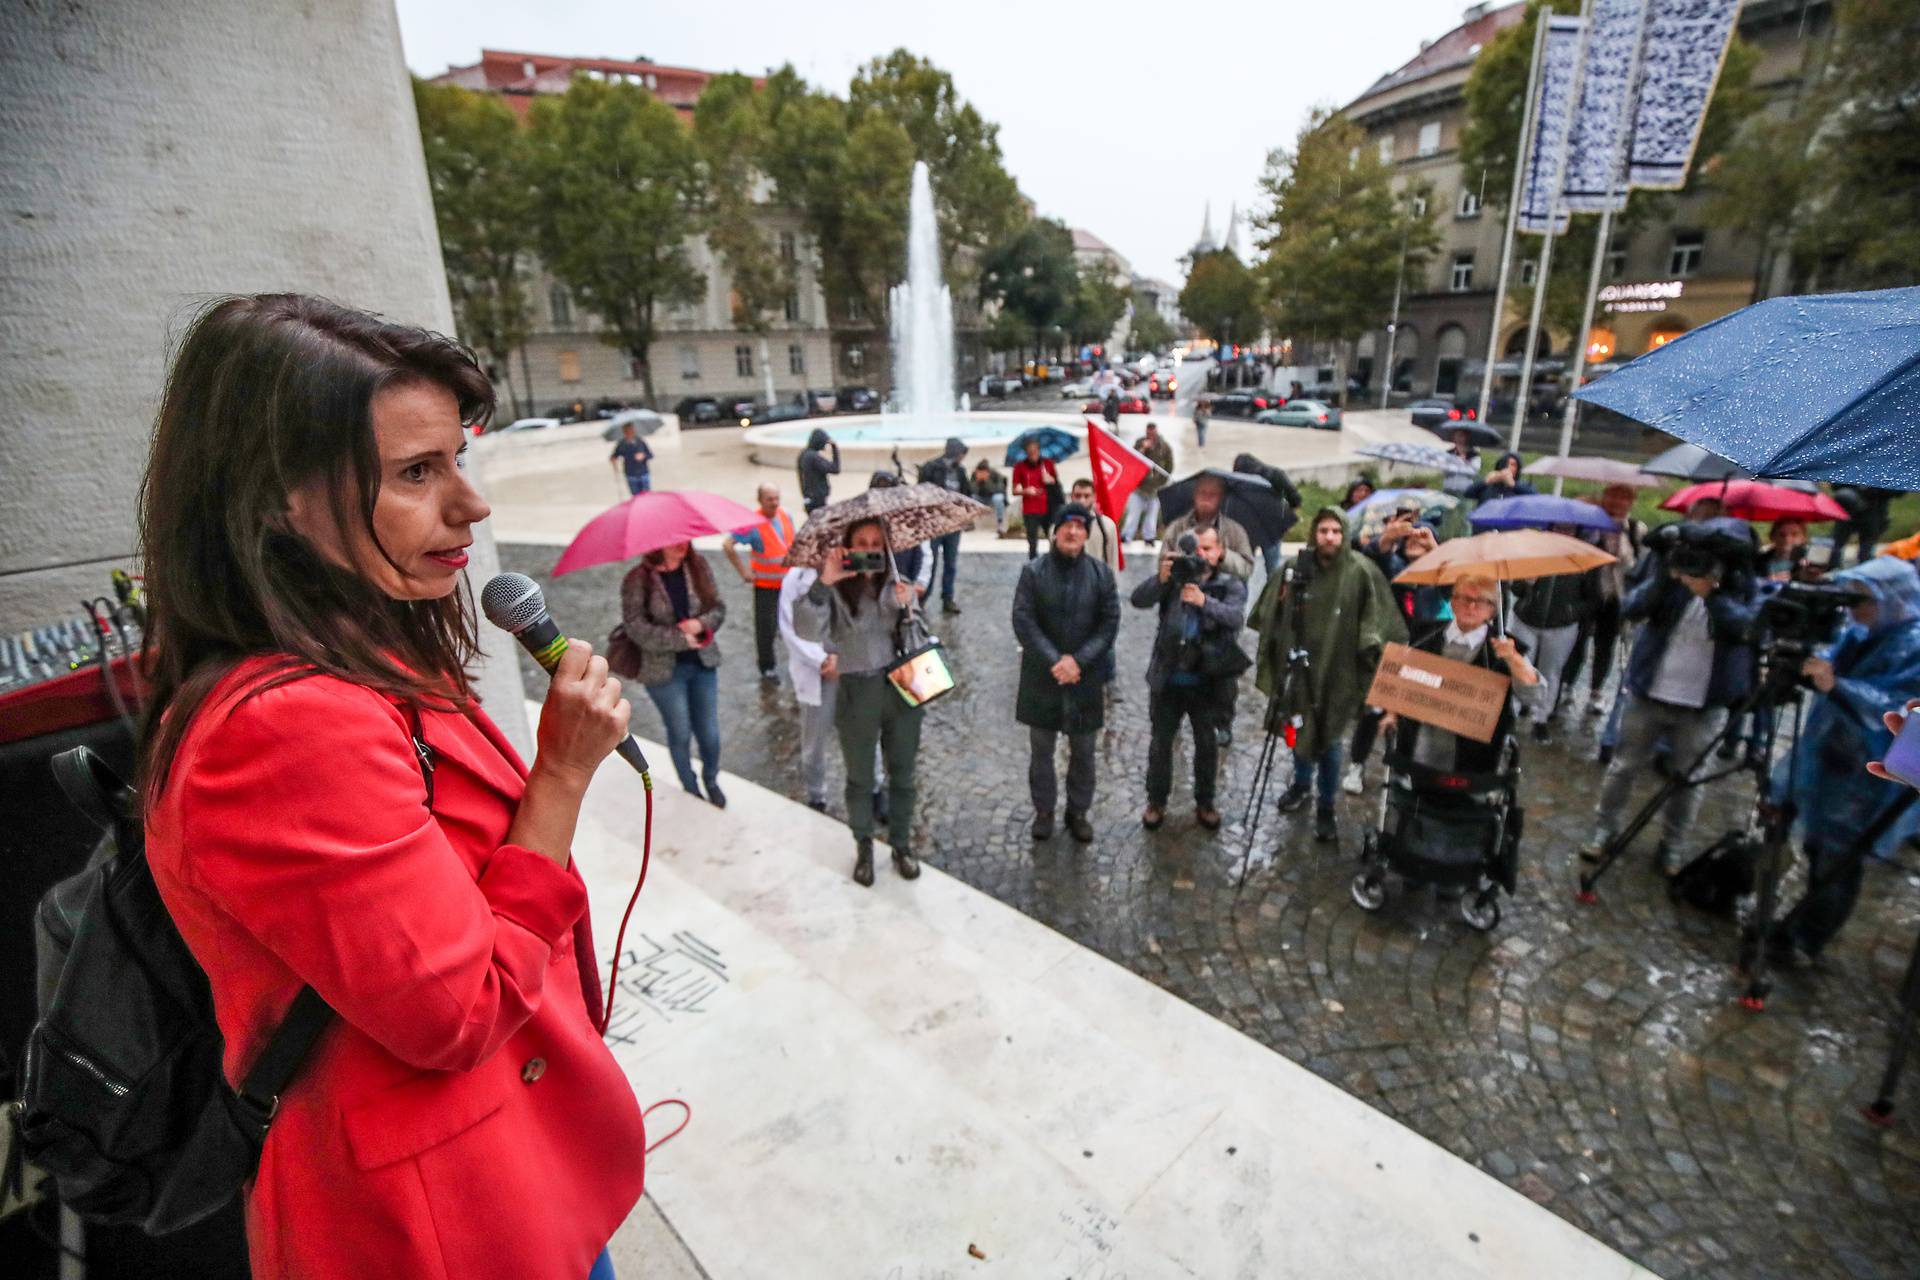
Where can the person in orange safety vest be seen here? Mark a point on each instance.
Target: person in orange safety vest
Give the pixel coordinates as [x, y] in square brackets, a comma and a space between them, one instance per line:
[764, 570]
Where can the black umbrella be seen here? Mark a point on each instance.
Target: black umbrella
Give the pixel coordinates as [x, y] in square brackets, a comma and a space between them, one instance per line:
[1477, 432]
[1251, 503]
[1691, 462]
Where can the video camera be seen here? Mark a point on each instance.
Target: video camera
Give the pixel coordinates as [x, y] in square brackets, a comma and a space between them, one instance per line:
[1188, 565]
[1801, 617]
[1711, 549]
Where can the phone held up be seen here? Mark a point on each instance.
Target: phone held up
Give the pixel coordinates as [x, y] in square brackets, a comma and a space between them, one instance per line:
[867, 561]
[1903, 757]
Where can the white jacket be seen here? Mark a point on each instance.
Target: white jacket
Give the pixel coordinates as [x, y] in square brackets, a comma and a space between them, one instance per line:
[803, 656]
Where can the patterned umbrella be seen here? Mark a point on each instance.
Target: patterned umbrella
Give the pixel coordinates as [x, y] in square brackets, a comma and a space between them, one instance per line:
[1601, 470]
[912, 514]
[1425, 456]
[1369, 515]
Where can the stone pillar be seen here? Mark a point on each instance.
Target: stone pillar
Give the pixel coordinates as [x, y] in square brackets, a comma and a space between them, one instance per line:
[155, 154]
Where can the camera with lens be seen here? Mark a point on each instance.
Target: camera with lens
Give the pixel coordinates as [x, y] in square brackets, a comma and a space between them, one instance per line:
[1188, 565]
[1714, 549]
[1802, 617]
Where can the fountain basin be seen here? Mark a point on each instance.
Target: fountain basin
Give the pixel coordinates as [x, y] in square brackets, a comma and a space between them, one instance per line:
[867, 441]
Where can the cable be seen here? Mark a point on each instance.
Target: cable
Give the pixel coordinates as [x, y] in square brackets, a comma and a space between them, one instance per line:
[620, 939]
[657, 1143]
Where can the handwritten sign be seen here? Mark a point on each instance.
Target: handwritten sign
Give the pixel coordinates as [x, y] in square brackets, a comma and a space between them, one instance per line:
[1456, 696]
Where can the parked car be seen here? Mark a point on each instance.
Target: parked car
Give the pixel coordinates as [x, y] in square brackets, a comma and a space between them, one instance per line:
[757, 415]
[1244, 404]
[1161, 385]
[1301, 413]
[526, 424]
[645, 421]
[697, 409]
[1130, 402]
[859, 400]
[818, 402]
[1079, 389]
[1435, 412]
[998, 385]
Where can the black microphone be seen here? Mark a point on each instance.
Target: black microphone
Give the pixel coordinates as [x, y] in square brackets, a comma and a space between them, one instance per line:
[513, 602]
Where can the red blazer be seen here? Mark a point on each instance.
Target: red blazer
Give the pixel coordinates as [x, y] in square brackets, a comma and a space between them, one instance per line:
[461, 1117]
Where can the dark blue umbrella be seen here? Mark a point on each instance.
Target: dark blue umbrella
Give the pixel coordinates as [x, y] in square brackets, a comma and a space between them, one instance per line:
[1055, 444]
[1539, 511]
[1820, 388]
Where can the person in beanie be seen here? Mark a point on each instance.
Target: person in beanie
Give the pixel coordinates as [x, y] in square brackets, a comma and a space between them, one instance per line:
[1338, 608]
[1066, 613]
[949, 472]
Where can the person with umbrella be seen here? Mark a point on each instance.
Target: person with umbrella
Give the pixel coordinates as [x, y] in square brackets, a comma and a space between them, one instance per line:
[1548, 616]
[1600, 637]
[1066, 614]
[1336, 608]
[1502, 482]
[1209, 497]
[670, 610]
[1359, 489]
[1247, 464]
[1461, 446]
[1141, 519]
[819, 460]
[1032, 477]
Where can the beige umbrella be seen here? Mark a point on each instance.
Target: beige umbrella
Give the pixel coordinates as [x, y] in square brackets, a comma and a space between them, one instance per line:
[1509, 555]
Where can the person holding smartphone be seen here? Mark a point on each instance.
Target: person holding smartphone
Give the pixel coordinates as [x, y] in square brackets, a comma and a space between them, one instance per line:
[854, 611]
[1869, 674]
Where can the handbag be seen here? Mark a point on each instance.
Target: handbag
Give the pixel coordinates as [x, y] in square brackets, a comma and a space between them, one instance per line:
[623, 655]
[920, 673]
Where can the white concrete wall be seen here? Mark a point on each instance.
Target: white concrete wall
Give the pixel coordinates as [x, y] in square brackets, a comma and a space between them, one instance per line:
[155, 154]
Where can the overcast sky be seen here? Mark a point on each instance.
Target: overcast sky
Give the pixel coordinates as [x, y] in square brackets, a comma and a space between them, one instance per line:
[1124, 118]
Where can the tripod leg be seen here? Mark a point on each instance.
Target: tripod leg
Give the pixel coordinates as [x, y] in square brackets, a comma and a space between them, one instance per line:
[1753, 939]
[1880, 1110]
[1673, 783]
[1256, 801]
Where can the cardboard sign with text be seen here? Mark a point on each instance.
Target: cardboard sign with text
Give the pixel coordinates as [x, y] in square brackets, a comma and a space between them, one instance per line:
[1456, 696]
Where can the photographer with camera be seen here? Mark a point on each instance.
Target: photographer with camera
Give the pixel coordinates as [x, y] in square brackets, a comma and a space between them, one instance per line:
[1871, 670]
[1202, 608]
[1336, 609]
[1693, 658]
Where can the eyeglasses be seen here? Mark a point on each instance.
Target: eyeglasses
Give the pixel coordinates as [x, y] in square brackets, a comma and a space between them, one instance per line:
[1481, 601]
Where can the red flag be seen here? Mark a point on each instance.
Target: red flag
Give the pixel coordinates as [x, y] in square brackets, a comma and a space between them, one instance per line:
[1117, 471]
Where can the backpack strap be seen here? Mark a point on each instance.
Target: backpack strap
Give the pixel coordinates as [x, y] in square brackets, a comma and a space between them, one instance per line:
[92, 786]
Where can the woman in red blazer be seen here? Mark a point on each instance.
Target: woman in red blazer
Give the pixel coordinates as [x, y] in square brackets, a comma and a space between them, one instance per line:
[305, 523]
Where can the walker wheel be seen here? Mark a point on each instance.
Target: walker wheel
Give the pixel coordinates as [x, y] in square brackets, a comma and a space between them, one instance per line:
[1753, 1004]
[1481, 912]
[1586, 897]
[1879, 1114]
[1369, 891]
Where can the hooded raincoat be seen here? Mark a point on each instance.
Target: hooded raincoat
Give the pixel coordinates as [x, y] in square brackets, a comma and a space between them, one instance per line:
[1343, 614]
[1876, 670]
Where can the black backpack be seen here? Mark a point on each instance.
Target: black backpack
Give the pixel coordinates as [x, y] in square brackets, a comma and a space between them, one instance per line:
[1716, 880]
[122, 1097]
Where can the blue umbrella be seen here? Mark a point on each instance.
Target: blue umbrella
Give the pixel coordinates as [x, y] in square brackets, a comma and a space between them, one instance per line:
[1820, 388]
[1055, 444]
[1540, 511]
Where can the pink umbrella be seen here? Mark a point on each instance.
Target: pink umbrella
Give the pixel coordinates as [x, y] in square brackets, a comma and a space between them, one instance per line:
[1758, 500]
[648, 521]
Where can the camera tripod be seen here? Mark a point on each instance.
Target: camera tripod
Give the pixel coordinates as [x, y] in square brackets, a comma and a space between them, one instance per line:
[1279, 728]
[1769, 823]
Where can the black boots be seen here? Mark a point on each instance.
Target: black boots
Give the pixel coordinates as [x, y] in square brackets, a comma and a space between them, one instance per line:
[1294, 797]
[1043, 826]
[863, 863]
[1323, 826]
[906, 864]
[1079, 828]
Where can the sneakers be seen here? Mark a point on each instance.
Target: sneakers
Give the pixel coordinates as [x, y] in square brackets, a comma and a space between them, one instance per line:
[770, 676]
[1354, 780]
[1153, 817]
[1223, 734]
[1043, 826]
[1593, 850]
[818, 806]
[1324, 829]
[1294, 797]
[1079, 828]
[1597, 706]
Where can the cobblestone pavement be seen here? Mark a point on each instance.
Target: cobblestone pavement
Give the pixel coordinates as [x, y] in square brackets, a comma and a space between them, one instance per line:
[1591, 1057]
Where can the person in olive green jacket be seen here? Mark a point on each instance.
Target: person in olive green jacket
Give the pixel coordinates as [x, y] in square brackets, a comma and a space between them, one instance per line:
[1336, 606]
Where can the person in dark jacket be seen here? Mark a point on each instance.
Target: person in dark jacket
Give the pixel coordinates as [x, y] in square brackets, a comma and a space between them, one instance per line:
[1502, 482]
[1548, 616]
[1248, 465]
[1066, 613]
[820, 459]
[1200, 619]
[671, 610]
[950, 473]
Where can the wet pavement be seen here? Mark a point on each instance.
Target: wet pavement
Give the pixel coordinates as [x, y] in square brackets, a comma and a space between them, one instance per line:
[1592, 1057]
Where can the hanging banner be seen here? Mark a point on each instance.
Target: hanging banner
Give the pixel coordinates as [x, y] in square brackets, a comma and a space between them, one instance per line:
[1597, 145]
[1686, 45]
[1546, 151]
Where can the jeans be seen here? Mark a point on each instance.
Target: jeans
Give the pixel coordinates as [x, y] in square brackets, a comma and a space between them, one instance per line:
[1043, 782]
[1365, 731]
[602, 1267]
[946, 549]
[1642, 726]
[1321, 773]
[689, 706]
[1833, 886]
[998, 501]
[1166, 708]
[869, 710]
[1270, 554]
[1035, 523]
[1141, 518]
[816, 726]
[640, 482]
[766, 624]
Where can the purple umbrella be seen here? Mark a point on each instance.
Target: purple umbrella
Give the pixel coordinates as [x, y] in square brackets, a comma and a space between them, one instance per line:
[1540, 511]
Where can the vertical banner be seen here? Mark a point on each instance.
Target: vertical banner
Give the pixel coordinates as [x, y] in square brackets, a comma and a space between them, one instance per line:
[1117, 472]
[1686, 45]
[1596, 147]
[1545, 152]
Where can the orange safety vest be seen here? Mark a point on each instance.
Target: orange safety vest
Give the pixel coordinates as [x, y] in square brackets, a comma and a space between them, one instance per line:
[769, 562]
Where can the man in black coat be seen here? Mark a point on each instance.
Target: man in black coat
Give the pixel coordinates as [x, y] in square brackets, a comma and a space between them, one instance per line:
[1066, 613]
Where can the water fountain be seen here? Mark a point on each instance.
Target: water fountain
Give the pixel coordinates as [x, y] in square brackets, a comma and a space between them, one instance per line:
[923, 410]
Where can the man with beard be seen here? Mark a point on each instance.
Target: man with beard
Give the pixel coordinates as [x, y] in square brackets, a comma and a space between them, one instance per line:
[1336, 607]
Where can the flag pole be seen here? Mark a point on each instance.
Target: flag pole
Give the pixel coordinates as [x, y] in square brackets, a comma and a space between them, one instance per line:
[1622, 112]
[1548, 233]
[1513, 213]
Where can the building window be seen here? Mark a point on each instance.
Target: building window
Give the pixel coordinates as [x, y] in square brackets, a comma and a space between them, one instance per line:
[796, 358]
[1616, 259]
[789, 246]
[636, 368]
[1462, 272]
[1430, 138]
[569, 366]
[1529, 270]
[1688, 246]
[743, 360]
[1419, 206]
[689, 361]
[1469, 205]
[791, 307]
[855, 356]
[1386, 149]
[560, 306]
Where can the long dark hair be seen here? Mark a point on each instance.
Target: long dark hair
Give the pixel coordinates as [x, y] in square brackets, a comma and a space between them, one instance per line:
[861, 586]
[699, 576]
[266, 394]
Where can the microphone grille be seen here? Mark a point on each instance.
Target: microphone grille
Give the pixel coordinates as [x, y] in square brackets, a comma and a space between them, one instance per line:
[512, 601]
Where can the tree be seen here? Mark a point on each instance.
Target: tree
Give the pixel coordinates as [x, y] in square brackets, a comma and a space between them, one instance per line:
[483, 204]
[620, 193]
[1338, 233]
[1222, 298]
[1151, 332]
[1098, 304]
[1033, 276]
[732, 132]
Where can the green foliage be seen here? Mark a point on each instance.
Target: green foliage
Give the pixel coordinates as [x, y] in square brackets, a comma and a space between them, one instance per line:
[483, 203]
[620, 182]
[1033, 276]
[1222, 298]
[1098, 304]
[732, 133]
[1151, 332]
[1338, 231]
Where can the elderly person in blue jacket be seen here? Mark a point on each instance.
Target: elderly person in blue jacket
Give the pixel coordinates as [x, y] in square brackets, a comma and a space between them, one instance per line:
[1692, 660]
[1873, 668]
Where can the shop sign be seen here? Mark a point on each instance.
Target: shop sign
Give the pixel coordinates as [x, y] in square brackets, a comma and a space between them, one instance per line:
[1650, 295]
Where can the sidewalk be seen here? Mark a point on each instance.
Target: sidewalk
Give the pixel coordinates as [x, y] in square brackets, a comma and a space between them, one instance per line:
[882, 1078]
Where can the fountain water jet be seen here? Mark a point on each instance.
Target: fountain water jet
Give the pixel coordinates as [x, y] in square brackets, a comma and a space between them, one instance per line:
[922, 308]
